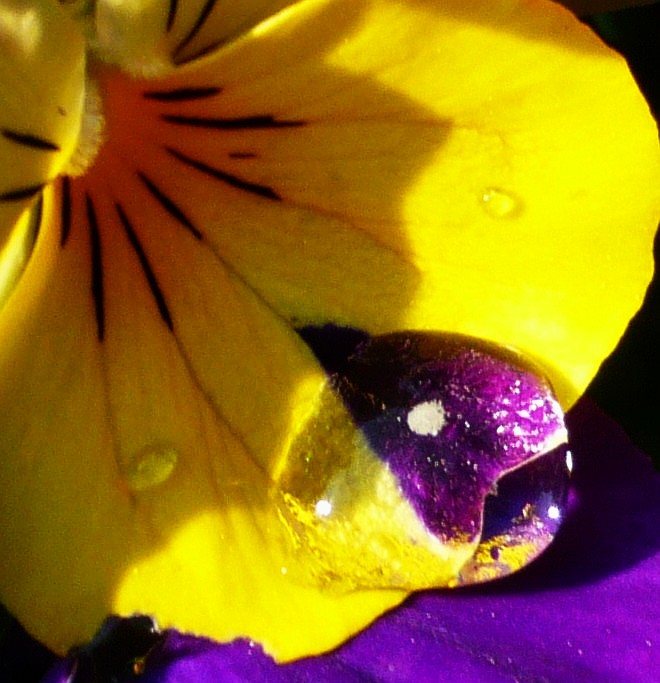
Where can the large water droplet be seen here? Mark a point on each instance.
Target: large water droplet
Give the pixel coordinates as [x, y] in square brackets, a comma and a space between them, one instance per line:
[500, 203]
[151, 466]
[444, 463]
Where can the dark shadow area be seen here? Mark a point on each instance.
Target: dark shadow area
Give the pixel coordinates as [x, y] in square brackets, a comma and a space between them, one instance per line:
[22, 659]
[332, 345]
[628, 384]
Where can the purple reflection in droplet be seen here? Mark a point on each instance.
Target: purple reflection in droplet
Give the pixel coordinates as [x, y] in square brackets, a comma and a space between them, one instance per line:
[463, 425]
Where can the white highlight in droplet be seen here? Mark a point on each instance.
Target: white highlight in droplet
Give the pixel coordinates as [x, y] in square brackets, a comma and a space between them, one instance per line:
[323, 508]
[569, 461]
[554, 512]
[427, 418]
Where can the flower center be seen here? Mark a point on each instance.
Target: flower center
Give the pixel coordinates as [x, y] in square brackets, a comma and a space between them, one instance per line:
[91, 135]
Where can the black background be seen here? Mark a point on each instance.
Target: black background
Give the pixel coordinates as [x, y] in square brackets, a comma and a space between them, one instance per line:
[628, 384]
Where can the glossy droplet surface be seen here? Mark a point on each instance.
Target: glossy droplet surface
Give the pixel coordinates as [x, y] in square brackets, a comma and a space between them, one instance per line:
[151, 466]
[521, 520]
[453, 470]
[500, 203]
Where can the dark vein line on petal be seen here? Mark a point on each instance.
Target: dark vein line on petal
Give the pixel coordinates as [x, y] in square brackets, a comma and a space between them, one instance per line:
[240, 277]
[181, 94]
[31, 141]
[112, 427]
[97, 268]
[232, 180]
[22, 193]
[65, 211]
[201, 20]
[37, 220]
[171, 14]
[149, 274]
[216, 410]
[180, 61]
[353, 222]
[242, 155]
[222, 260]
[243, 123]
[169, 205]
[198, 381]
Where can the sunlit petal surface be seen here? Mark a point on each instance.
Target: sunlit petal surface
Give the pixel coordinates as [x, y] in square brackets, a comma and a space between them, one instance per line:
[151, 382]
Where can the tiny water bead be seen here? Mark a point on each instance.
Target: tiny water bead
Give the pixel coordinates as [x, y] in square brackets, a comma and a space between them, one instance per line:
[151, 466]
[500, 203]
[452, 468]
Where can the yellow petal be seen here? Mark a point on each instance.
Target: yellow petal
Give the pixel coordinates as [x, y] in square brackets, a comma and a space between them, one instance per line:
[41, 95]
[151, 36]
[484, 167]
[147, 395]
[16, 253]
[365, 164]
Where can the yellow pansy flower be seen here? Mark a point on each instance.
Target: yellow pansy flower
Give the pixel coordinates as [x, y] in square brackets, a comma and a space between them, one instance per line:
[203, 178]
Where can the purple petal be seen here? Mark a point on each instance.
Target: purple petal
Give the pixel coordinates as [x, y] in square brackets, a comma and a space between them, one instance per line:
[585, 611]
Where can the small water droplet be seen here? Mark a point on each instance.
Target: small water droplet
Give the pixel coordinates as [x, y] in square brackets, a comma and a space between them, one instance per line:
[500, 203]
[151, 466]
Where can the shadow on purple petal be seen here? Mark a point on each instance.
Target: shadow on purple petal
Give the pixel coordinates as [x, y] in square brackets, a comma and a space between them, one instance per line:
[22, 659]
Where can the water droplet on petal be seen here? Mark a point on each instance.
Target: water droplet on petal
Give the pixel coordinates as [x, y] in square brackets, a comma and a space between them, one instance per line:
[500, 203]
[151, 466]
[444, 463]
